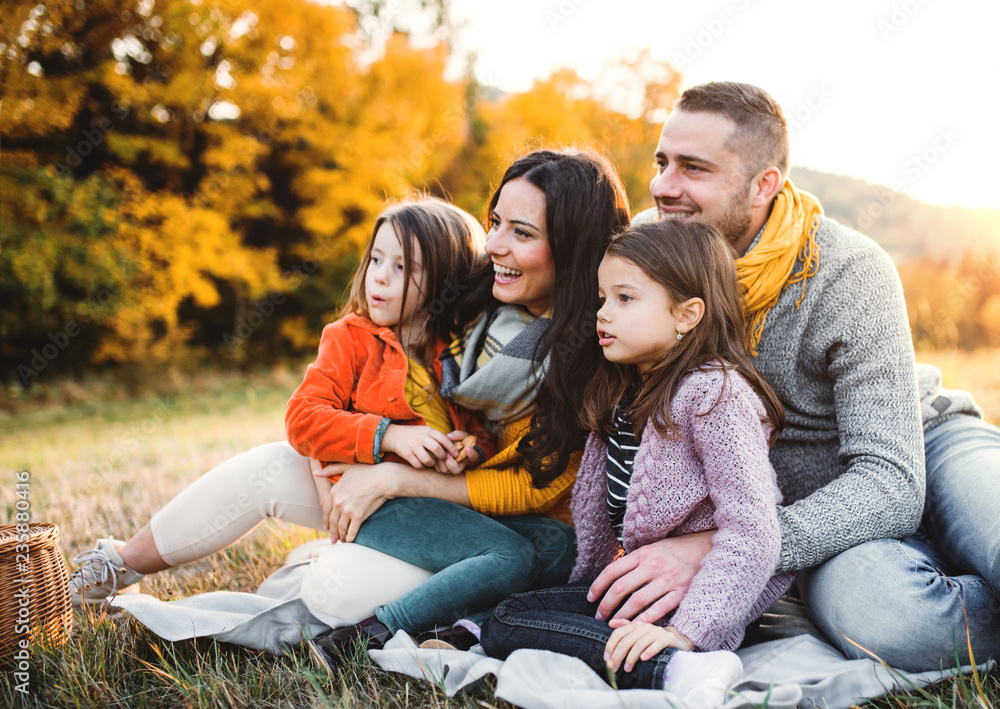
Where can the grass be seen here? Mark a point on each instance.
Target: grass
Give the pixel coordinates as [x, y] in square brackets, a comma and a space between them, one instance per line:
[102, 462]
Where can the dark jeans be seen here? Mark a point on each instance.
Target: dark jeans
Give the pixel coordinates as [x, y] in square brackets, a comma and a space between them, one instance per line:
[562, 620]
[478, 560]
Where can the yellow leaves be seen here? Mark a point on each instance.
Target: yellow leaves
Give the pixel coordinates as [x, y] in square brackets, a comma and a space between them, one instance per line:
[38, 106]
[129, 148]
[189, 213]
[180, 253]
[230, 151]
[298, 333]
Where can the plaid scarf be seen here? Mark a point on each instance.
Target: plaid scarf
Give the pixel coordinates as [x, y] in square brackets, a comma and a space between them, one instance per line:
[490, 367]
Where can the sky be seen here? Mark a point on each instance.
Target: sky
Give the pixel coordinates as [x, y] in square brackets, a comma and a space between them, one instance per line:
[904, 92]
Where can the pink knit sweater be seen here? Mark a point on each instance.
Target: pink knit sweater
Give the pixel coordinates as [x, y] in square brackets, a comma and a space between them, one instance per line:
[715, 476]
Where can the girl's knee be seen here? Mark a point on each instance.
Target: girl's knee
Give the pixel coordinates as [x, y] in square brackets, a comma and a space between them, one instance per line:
[516, 605]
[520, 561]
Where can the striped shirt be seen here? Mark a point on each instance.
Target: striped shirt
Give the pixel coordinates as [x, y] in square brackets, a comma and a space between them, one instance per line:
[622, 445]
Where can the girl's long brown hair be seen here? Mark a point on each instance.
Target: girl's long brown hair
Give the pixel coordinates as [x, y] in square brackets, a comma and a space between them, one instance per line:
[452, 244]
[689, 260]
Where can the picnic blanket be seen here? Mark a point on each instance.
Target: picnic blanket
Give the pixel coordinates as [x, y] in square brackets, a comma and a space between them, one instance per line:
[795, 668]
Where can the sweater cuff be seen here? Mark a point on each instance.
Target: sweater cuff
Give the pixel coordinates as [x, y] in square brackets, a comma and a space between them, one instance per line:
[383, 425]
[484, 492]
[786, 559]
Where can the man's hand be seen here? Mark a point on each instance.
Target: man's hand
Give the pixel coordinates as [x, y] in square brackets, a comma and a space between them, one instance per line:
[654, 577]
[420, 446]
[634, 641]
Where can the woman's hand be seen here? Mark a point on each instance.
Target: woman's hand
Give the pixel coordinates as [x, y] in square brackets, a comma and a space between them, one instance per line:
[324, 486]
[361, 490]
[637, 640]
[420, 446]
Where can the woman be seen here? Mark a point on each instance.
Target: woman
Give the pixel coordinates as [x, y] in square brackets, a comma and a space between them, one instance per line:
[550, 220]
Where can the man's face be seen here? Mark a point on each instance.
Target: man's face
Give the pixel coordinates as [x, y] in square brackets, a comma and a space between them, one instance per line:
[699, 178]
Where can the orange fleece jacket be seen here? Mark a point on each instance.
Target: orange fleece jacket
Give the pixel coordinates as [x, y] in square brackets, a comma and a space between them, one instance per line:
[358, 378]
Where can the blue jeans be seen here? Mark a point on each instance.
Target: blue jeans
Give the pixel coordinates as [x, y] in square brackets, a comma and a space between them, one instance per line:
[907, 600]
[562, 620]
[478, 561]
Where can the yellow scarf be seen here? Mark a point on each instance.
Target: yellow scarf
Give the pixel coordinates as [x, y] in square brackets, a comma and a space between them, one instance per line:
[789, 237]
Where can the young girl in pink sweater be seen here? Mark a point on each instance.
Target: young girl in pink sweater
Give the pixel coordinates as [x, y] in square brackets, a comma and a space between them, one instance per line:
[681, 424]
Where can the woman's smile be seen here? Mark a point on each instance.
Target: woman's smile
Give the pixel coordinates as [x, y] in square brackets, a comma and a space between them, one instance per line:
[505, 275]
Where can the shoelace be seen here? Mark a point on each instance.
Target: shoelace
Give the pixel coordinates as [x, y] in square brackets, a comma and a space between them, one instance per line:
[104, 567]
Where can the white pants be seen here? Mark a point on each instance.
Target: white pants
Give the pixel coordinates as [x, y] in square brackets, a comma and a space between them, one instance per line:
[232, 498]
[273, 480]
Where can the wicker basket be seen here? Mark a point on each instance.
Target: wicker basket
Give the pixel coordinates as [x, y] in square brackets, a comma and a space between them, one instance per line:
[42, 584]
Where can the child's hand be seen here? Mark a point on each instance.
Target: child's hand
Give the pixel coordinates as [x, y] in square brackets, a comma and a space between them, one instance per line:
[420, 446]
[638, 640]
[466, 457]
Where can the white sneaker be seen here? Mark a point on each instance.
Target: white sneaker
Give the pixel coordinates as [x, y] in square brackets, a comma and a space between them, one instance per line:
[101, 573]
[702, 679]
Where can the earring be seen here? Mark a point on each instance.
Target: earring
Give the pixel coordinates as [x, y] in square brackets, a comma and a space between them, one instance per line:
[680, 335]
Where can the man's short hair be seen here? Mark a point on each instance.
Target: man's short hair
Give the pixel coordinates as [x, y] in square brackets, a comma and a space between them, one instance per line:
[761, 135]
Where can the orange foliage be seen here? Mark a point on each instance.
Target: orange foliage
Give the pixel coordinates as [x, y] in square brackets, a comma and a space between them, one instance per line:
[180, 164]
[953, 303]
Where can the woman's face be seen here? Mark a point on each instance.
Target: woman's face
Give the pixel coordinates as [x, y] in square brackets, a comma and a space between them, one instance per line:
[518, 244]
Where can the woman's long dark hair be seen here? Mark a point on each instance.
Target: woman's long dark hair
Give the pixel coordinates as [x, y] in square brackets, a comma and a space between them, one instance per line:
[585, 204]
[689, 260]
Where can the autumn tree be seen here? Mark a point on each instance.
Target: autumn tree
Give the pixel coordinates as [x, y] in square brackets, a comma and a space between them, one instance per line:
[210, 159]
[198, 177]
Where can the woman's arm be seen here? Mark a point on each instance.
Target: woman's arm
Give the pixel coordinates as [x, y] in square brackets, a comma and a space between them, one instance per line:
[362, 489]
[503, 491]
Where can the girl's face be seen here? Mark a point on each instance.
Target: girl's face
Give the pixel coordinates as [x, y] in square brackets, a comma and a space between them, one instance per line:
[384, 280]
[518, 243]
[637, 323]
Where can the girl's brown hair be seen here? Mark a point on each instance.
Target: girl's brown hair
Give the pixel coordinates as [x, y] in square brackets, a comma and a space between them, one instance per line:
[452, 244]
[689, 260]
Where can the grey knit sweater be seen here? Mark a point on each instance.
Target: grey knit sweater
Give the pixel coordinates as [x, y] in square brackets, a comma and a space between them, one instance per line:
[850, 460]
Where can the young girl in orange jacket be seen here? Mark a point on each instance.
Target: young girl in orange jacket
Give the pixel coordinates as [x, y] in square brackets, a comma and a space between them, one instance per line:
[374, 388]
[372, 392]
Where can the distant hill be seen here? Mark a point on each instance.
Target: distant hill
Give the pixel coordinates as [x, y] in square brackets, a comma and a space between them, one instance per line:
[903, 226]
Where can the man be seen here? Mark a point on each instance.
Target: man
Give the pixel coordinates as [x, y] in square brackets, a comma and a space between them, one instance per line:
[828, 327]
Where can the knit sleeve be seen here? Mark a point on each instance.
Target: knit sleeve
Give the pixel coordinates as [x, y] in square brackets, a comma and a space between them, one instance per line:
[317, 420]
[596, 542]
[501, 489]
[731, 445]
[861, 325]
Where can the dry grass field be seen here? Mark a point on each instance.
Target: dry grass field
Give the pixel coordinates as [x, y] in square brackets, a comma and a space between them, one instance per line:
[102, 463]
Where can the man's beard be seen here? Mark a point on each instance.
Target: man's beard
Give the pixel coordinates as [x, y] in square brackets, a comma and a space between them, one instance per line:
[735, 221]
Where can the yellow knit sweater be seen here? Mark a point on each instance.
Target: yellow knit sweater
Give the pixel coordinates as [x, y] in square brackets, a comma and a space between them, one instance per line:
[501, 487]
